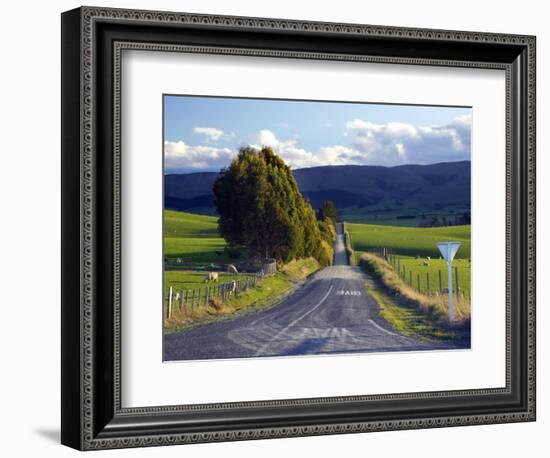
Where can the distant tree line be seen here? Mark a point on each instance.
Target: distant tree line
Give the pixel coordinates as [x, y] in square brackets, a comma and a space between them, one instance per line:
[439, 221]
[261, 208]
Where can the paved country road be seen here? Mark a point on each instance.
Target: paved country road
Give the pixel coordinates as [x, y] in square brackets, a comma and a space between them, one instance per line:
[331, 313]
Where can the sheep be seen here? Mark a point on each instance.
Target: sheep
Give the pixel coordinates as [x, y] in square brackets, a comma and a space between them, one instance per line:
[212, 276]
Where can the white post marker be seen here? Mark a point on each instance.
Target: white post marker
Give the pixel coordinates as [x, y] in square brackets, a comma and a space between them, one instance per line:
[448, 250]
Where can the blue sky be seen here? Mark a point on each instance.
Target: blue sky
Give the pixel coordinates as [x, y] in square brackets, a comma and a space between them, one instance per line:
[204, 133]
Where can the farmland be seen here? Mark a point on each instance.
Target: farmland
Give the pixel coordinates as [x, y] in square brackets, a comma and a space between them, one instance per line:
[398, 215]
[419, 272]
[408, 241]
[409, 248]
[408, 275]
[268, 292]
[189, 280]
[193, 238]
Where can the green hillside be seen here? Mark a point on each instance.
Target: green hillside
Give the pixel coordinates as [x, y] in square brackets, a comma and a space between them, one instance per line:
[180, 224]
[410, 241]
[193, 238]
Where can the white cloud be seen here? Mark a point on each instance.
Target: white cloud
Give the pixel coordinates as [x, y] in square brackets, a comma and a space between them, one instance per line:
[401, 151]
[267, 138]
[297, 157]
[396, 143]
[180, 155]
[211, 132]
[387, 144]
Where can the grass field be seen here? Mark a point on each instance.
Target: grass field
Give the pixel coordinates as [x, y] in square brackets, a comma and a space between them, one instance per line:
[185, 280]
[396, 215]
[408, 241]
[193, 238]
[419, 272]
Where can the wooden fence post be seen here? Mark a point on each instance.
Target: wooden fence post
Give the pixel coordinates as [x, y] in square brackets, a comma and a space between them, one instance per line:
[193, 300]
[456, 281]
[440, 282]
[181, 300]
[428, 283]
[418, 282]
[170, 303]
[206, 296]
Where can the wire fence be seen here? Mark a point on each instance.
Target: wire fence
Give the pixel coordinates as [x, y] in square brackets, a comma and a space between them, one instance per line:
[430, 282]
[190, 299]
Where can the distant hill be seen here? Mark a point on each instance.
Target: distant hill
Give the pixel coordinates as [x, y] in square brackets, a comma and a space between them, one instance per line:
[350, 186]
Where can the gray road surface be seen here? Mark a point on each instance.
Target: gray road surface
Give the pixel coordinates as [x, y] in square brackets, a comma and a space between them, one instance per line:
[331, 313]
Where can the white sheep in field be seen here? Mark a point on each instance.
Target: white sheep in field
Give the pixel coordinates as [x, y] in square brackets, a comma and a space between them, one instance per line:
[212, 276]
[425, 263]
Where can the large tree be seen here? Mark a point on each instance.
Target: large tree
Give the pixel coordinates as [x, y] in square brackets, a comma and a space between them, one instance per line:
[261, 208]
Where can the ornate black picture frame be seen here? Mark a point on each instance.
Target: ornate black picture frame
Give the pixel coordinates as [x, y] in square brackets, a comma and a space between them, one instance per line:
[92, 42]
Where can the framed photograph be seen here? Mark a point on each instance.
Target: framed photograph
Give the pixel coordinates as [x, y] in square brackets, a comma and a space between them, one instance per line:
[278, 228]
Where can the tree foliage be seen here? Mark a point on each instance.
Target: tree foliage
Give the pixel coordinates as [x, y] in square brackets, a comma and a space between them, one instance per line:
[262, 209]
[328, 210]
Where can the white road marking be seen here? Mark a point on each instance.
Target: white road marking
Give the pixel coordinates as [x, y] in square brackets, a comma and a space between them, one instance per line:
[347, 292]
[301, 317]
[381, 328]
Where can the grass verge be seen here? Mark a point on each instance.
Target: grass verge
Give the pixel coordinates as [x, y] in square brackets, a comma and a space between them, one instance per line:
[412, 313]
[269, 292]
